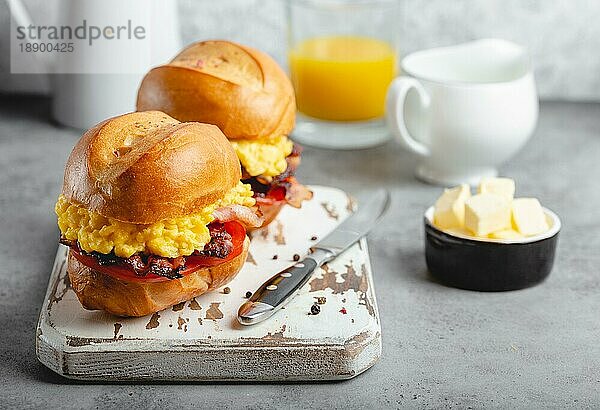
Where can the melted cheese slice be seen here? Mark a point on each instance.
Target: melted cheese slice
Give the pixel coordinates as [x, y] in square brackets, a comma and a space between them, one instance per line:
[168, 238]
[263, 157]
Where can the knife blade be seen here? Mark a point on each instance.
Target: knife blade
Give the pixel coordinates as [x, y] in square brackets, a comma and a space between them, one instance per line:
[281, 288]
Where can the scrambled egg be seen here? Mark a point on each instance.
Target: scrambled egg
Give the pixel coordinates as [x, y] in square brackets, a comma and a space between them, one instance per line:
[266, 158]
[169, 238]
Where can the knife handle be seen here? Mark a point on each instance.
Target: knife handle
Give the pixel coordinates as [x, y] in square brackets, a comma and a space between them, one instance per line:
[280, 287]
[284, 284]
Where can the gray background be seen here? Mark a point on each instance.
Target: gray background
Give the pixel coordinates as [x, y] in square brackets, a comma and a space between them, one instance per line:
[563, 36]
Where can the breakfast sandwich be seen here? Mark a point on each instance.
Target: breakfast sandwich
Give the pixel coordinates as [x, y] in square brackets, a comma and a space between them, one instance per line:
[154, 213]
[248, 96]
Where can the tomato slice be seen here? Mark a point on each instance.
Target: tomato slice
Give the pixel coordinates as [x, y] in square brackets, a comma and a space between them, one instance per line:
[275, 195]
[192, 262]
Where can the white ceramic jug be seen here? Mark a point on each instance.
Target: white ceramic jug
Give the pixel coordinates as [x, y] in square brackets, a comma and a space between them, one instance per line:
[464, 109]
[83, 99]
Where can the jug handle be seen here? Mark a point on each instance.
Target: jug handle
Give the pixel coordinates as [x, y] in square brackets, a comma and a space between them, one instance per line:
[394, 107]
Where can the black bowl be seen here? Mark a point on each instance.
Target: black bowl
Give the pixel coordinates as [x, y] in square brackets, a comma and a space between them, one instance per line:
[488, 264]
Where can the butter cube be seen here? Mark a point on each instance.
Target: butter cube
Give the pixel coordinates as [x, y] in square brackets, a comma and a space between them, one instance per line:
[528, 216]
[506, 234]
[500, 186]
[487, 213]
[449, 209]
[460, 232]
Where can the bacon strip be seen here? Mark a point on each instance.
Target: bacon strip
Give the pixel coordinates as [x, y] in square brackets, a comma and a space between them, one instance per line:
[296, 192]
[221, 242]
[239, 213]
[283, 187]
[220, 246]
[144, 264]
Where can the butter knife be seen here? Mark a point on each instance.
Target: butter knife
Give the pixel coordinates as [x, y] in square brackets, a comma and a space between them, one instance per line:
[282, 287]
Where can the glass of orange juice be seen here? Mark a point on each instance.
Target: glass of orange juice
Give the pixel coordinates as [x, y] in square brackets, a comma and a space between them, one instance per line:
[343, 54]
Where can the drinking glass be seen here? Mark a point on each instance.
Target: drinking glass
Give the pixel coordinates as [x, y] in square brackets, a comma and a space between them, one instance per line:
[343, 54]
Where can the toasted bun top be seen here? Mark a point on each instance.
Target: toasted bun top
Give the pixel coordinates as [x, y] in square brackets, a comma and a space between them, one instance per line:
[144, 167]
[241, 90]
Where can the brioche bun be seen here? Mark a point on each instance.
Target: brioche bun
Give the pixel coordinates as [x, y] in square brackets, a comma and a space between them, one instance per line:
[96, 290]
[144, 167]
[238, 88]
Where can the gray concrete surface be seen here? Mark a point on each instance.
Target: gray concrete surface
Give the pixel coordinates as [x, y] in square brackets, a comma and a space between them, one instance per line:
[442, 347]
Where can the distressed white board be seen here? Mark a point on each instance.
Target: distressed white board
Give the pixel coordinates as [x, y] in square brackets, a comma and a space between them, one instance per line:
[201, 339]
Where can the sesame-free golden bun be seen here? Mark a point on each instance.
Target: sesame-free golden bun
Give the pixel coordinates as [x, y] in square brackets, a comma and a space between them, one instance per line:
[144, 167]
[99, 291]
[238, 88]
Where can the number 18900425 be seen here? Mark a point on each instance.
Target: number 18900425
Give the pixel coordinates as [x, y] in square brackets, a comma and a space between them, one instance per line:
[46, 47]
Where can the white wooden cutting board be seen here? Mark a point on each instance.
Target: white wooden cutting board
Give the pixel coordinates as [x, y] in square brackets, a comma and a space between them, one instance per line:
[201, 339]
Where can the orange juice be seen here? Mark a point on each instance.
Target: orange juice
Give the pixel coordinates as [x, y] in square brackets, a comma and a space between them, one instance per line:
[342, 78]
